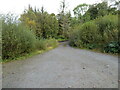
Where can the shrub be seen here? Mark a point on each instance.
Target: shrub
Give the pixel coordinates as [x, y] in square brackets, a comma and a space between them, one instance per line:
[112, 47]
[108, 28]
[16, 40]
[89, 33]
[85, 36]
[75, 39]
[101, 33]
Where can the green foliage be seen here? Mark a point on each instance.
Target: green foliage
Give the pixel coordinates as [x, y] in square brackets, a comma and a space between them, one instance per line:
[108, 28]
[84, 12]
[64, 25]
[89, 33]
[52, 42]
[43, 24]
[64, 19]
[98, 33]
[97, 10]
[43, 44]
[16, 40]
[86, 35]
[112, 47]
[80, 10]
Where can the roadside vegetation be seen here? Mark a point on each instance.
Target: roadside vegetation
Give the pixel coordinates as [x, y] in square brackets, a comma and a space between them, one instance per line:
[18, 40]
[97, 28]
[100, 34]
[92, 27]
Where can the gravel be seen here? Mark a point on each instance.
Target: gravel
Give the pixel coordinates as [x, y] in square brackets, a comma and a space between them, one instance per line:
[63, 67]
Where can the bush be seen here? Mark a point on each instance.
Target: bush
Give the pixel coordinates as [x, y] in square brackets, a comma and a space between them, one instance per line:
[108, 28]
[75, 39]
[89, 33]
[112, 47]
[16, 40]
[85, 36]
[98, 33]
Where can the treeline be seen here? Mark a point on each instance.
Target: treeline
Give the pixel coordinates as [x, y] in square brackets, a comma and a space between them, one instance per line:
[19, 40]
[101, 34]
[44, 25]
[96, 27]
[35, 30]
[93, 26]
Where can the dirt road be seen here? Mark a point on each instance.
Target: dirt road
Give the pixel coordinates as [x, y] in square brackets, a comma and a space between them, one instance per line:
[63, 67]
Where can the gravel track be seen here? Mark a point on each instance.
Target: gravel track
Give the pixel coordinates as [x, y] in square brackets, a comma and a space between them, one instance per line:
[63, 67]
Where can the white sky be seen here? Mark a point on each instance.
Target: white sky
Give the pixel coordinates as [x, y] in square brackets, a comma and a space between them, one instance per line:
[51, 6]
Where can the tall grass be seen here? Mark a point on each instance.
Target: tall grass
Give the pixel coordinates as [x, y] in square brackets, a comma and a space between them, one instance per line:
[43, 44]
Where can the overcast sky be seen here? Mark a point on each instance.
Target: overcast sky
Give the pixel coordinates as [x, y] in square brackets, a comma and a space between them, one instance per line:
[51, 6]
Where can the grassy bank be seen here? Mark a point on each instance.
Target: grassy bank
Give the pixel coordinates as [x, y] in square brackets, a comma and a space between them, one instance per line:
[28, 55]
[41, 47]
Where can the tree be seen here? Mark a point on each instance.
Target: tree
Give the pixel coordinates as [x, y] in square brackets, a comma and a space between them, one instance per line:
[63, 20]
[43, 24]
[100, 10]
[80, 10]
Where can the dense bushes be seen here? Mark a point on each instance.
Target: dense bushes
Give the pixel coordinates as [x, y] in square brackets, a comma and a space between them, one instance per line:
[43, 24]
[85, 36]
[108, 28]
[98, 33]
[18, 40]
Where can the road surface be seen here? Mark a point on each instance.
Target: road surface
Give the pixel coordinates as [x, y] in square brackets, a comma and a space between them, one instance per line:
[63, 67]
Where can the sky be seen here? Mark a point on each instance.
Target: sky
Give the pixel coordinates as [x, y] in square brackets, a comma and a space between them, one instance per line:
[51, 6]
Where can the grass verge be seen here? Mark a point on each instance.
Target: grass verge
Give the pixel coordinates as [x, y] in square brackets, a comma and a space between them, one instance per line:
[28, 55]
[97, 51]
